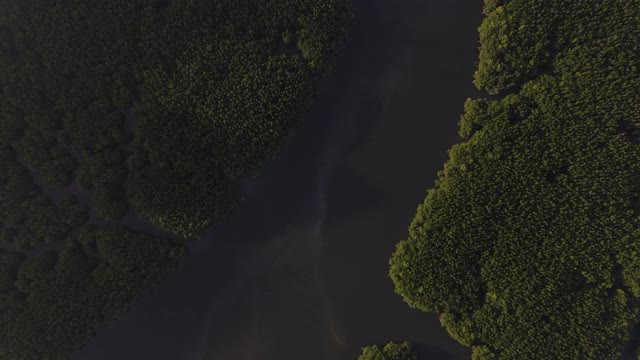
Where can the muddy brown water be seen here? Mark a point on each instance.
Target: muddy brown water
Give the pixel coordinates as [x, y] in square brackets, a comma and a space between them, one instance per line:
[299, 269]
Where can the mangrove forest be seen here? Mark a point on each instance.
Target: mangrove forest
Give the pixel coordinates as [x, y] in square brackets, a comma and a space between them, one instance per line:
[528, 245]
[114, 109]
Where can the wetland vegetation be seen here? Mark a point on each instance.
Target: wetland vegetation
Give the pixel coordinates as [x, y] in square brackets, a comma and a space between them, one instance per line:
[155, 108]
[528, 245]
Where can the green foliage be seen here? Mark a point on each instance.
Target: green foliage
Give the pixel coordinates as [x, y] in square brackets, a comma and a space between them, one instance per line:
[515, 42]
[220, 110]
[391, 351]
[64, 297]
[459, 326]
[529, 242]
[9, 262]
[491, 5]
[30, 218]
[214, 96]
[317, 32]
[482, 352]
[158, 108]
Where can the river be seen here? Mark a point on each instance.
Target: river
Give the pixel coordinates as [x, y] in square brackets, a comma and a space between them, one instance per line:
[299, 270]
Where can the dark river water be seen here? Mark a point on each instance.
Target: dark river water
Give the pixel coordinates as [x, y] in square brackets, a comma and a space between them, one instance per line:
[299, 269]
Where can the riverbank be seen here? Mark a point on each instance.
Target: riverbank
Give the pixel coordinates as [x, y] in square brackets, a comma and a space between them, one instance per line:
[299, 269]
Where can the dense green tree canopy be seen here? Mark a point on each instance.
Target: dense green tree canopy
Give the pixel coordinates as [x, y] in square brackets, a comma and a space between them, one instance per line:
[59, 299]
[529, 243]
[391, 351]
[156, 106]
[214, 86]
